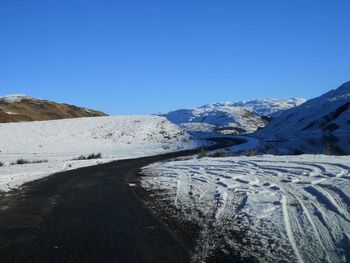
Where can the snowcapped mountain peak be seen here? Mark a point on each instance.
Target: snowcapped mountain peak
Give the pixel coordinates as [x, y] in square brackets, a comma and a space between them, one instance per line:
[244, 116]
[15, 97]
[216, 105]
[268, 106]
[261, 107]
[218, 115]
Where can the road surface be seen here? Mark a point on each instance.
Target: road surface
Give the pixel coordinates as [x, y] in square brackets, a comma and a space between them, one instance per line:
[88, 215]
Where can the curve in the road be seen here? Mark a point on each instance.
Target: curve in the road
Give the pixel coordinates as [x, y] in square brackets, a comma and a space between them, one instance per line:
[88, 215]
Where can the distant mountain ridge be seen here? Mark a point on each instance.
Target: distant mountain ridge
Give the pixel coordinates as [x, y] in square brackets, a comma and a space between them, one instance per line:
[219, 116]
[269, 107]
[329, 113]
[19, 107]
[245, 116]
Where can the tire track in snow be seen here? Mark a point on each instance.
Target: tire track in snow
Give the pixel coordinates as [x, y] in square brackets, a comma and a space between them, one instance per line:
[289, 229]
[328, 199]
[314, 227]
[291, 207]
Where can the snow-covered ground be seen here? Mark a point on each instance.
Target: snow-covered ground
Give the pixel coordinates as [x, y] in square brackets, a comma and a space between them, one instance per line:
[270, 208]
[59, 142]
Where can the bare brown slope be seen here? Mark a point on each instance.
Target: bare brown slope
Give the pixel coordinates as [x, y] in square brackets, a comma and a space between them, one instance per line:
[4, 117]
[28, 109]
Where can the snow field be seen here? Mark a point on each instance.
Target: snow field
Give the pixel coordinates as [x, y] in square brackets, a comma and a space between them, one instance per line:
[60, 141]
[270, 208]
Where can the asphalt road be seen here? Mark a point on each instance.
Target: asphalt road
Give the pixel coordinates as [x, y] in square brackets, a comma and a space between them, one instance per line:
[88, 215]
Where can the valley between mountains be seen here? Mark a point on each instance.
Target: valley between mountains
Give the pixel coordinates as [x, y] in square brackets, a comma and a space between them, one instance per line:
[266, 180]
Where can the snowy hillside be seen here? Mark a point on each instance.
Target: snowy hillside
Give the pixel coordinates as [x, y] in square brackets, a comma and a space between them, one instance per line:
[242, 116]
[269, 107]
[218, 115]
[329, 113]
[59, 142]
[265, 209]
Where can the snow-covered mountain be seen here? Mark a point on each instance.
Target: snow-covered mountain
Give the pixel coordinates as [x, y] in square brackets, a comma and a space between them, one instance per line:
[19, 107]
[240, 117]
[16, 98]
[329, 113]
[269, 107]
[218, 115]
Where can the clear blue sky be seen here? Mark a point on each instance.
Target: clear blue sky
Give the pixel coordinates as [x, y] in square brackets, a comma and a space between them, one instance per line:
[140, 57]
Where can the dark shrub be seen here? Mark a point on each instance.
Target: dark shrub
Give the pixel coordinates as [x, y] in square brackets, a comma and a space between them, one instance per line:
[89, 157]
[24, 161]
[81, 157]
[94, 156]
[297, 152]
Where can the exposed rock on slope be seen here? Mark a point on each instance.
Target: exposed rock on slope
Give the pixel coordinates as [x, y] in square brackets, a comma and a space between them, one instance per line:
[16, 108]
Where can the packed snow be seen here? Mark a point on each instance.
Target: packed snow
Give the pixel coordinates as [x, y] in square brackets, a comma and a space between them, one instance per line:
[265, 208]
[329, 113]
[58, 142]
